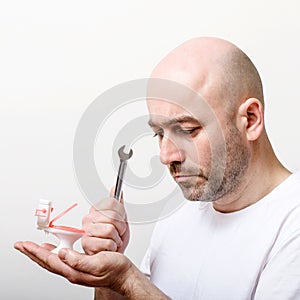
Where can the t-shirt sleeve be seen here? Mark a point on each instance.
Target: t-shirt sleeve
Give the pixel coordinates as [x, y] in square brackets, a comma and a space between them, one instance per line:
[280, 278]
[145, 264]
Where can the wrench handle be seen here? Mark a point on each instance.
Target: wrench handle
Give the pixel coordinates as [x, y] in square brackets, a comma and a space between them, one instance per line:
[121, 172]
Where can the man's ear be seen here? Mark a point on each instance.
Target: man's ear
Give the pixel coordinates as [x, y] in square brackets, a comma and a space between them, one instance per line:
[250, 118]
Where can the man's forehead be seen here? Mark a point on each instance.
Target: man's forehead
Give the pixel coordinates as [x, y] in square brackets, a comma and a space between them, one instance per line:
[171, 107]
[165, 112]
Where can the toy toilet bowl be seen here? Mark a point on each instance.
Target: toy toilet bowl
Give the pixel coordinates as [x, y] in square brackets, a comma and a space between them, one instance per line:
[67, 236]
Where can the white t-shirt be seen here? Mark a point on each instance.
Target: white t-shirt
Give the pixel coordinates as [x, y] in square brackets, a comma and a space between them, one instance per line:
[254, 253]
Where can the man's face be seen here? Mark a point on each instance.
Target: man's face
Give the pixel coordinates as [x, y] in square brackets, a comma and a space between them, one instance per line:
[186, 149]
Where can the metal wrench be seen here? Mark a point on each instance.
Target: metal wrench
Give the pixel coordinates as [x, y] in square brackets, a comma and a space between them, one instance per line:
[122, 167]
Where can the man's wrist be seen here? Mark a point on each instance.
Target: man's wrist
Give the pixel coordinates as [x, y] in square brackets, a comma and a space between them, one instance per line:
[136, 286]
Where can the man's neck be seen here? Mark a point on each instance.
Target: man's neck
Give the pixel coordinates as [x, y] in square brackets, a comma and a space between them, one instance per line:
[257, 183]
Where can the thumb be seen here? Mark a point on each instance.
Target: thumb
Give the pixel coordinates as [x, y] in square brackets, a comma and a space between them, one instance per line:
[79, 262]
[71, 258]
[112, 194]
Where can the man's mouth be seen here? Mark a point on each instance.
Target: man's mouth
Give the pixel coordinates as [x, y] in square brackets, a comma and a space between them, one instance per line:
[184, 177]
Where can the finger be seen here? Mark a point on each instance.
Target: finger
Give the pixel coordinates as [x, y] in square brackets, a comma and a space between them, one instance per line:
[124, 215]
[112, 191]
[37, 261]
[47, 246]
[103, 230]
[110, 204]
[122, 198]
[107, 217]
[18, 245]
[42, 257]
[104, 215]
[95, 265]
[112, 194]
[94, 245]
[92, 224]
[116, 214]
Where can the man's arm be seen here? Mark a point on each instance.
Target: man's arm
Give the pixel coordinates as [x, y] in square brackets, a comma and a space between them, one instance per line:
[106, 269]
[137, 286]
[107, 294]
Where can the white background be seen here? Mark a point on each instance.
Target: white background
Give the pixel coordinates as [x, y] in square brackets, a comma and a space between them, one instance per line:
[56, 57]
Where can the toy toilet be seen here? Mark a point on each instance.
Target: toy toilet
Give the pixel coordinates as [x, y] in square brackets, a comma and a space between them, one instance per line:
[66, 235]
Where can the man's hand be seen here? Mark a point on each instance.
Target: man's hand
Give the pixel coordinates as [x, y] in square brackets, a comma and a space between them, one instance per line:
[110, 270]
[106, 227]
[104, 269]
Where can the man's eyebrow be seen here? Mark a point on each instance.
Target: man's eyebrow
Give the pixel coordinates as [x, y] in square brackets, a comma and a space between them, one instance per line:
[176, 120]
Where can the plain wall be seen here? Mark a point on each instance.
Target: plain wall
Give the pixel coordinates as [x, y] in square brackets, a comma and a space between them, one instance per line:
[56, 57]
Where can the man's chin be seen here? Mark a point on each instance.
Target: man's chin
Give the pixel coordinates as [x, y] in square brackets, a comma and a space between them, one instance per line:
[192, 196]
[198, 195]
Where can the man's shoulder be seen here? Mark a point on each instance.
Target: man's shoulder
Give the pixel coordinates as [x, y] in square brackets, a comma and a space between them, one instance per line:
[287, 194]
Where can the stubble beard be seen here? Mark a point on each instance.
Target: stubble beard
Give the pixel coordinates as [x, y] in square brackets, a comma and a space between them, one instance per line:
[226, 180]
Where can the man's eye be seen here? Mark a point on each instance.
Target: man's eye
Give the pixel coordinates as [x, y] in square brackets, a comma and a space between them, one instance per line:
[187, 131]
[158, 133]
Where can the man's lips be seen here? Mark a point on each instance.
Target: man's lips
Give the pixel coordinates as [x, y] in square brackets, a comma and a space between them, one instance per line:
[184, 177]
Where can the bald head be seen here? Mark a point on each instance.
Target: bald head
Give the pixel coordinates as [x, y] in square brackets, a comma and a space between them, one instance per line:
[216, 69]
[222, 138]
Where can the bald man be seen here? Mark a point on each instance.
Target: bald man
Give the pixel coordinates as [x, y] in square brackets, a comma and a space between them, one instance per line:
[238, 236]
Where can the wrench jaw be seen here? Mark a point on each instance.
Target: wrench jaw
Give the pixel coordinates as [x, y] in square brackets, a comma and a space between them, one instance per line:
[123, 155]
[122, 167]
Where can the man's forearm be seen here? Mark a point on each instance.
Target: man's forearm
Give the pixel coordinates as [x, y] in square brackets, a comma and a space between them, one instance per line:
[107, 294]
[134, 285]
[137, 286]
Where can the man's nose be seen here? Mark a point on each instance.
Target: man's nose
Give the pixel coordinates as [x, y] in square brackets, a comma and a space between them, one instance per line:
[170, 151]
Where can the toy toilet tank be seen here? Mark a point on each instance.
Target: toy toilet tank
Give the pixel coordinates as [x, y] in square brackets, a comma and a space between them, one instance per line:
[66, 235]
